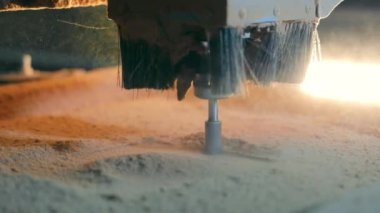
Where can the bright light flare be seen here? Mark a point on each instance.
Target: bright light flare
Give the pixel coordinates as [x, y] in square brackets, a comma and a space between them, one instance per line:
[344, 81]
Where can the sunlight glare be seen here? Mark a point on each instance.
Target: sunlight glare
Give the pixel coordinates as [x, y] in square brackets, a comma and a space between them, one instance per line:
[344, 81]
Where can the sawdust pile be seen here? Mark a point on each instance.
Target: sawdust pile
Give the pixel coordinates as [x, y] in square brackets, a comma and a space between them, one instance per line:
[81, 144]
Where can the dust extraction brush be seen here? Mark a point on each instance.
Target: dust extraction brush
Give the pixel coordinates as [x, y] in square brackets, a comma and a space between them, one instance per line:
[280, 52]
[216, 45]
[145, 65]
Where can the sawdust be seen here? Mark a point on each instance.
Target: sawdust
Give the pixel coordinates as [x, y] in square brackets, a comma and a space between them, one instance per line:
[81, 144]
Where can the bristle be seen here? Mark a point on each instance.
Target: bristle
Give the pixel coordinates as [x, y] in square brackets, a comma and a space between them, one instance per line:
[277, 52]
[260, 53]
[282, 55]
[296, 52]
[145, 66]
[227, 62]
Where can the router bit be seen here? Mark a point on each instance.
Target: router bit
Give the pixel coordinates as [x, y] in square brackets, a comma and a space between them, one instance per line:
[213, 129]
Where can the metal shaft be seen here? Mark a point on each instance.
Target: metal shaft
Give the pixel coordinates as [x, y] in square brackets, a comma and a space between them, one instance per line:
[213, 110]
[213, 129]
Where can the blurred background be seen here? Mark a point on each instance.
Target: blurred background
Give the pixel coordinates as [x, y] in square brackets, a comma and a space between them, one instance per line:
[86, 38]
[352, 32]
[56, 39]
